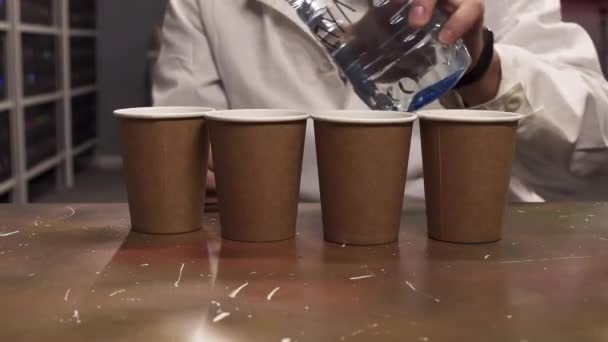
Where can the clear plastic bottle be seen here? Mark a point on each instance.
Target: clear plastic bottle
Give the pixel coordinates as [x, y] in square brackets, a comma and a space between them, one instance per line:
[390, 65]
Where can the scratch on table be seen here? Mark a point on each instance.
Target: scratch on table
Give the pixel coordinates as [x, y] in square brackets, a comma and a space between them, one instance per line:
[545, 259]
[9, 234]
[144, 265]
[286, 339]
[413, 288]
[117, 292]
[70, 214]
[221, 316]
[357, 332]
[67, 294]
[410, 286]
[272, 293]
[605, 239]
[236, 291]
[487, 256]
[133, 299]
[76, 316]
[362, 277]
[179, 277]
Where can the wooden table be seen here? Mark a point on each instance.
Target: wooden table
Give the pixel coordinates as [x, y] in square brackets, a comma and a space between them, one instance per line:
[74, 273]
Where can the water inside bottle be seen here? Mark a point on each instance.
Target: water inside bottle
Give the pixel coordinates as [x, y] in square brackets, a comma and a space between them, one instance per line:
[390, 65]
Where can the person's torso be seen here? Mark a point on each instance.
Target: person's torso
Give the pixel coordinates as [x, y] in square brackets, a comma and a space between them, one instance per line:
[267, 58]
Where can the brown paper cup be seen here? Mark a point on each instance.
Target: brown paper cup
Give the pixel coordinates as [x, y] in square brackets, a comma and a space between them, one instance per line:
[257, 155]
[165, 153]
[467, 158]
[362, 158]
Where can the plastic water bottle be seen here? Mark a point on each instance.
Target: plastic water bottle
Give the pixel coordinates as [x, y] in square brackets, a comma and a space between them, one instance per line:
[390, 65]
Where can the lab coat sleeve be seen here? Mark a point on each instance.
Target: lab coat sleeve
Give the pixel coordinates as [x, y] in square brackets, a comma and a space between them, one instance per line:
[186, 74]
[551, 71]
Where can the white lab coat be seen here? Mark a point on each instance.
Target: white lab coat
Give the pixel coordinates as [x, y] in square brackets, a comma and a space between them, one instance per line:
[257, 54]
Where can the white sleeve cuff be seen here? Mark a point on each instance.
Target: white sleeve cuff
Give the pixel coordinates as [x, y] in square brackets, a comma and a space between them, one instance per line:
[511, 96]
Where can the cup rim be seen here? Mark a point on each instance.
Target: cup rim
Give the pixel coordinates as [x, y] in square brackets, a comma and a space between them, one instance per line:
[368, 117]
[257, 115]
[473, 116]
[162, 112]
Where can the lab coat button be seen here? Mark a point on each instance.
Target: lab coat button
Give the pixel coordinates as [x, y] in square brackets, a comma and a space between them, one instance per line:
[514, 104]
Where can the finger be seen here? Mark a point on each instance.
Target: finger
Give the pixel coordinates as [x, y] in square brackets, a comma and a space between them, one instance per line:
[462, 20]
[421, 12]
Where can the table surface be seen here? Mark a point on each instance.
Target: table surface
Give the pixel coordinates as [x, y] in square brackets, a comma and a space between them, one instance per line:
[74, 273]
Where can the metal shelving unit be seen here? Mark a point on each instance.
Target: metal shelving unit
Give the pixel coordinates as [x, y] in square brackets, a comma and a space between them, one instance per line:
[7, 186]
[84, 147]
[34, 100]
[84, 90]
[6, 105]
[44, 166]
[40, 29]
[17, 103]
[83, 33]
